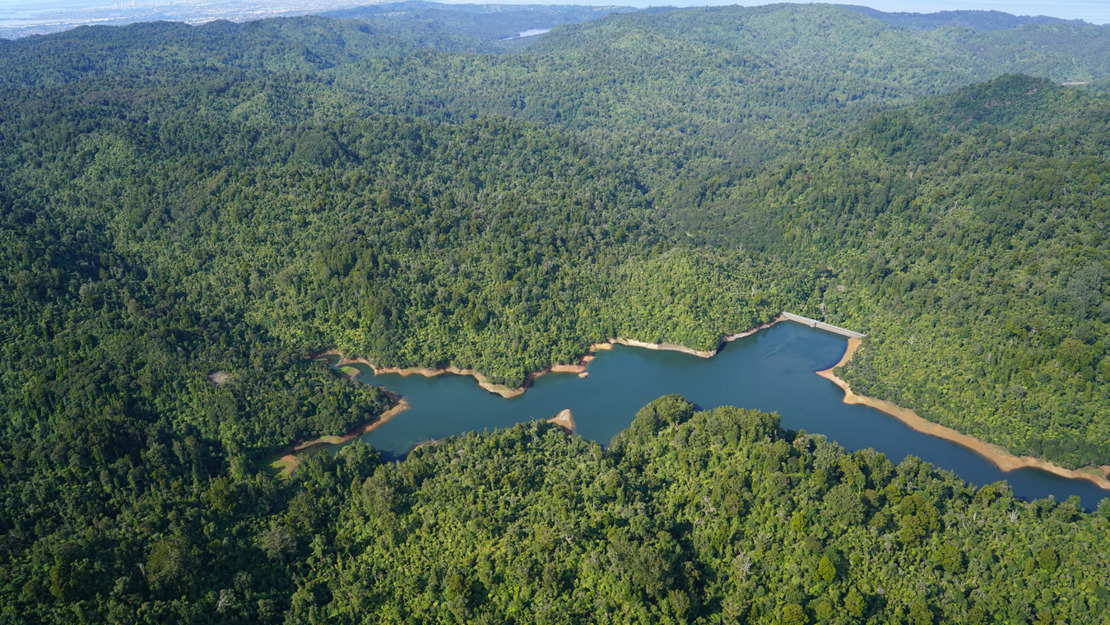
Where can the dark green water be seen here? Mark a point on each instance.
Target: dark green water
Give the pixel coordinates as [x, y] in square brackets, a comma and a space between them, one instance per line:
[771, 370]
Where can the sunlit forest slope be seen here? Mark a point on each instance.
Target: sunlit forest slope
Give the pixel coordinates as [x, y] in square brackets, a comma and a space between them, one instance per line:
[187, 212]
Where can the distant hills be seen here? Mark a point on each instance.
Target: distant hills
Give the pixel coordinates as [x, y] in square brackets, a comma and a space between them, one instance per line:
[676, 110]
[974, 20]
[187, 212]
[485, 22]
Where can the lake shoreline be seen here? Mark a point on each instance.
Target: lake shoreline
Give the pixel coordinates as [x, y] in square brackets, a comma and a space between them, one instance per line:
[288, 460]
[565, 420]
[579, 367]
[1001, 458]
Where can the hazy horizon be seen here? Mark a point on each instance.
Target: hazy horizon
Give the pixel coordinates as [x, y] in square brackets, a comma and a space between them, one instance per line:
[73, 12]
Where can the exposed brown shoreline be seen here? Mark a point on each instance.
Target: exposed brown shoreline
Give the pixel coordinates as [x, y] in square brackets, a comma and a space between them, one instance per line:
[565, 420]
[578, 367]
[288, 460]
[1001, 458]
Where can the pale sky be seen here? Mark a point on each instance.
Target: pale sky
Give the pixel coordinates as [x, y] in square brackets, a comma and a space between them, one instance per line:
[1095, 11]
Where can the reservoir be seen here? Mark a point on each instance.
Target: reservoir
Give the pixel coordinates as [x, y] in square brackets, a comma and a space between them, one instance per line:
[772, 370]
[531, 32]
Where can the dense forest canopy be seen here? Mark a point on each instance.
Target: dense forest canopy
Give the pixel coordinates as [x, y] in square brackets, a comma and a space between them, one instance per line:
[187, 212]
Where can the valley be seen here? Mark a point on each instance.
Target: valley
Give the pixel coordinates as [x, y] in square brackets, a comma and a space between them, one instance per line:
[187, 212]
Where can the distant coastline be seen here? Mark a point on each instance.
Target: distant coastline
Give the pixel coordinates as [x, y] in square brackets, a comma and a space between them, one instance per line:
[1000, 457]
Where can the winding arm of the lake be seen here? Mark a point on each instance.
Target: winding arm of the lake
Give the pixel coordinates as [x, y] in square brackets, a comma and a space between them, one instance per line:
[1001, 458]
[769, 368]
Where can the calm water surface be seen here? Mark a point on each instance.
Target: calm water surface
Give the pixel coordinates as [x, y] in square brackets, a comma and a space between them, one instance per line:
[771, 370]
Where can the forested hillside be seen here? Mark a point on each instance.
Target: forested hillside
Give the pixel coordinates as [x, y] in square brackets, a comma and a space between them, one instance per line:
[687, 517]
[975, 20]
[187, 212]
[490, 27]
[965, 235]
